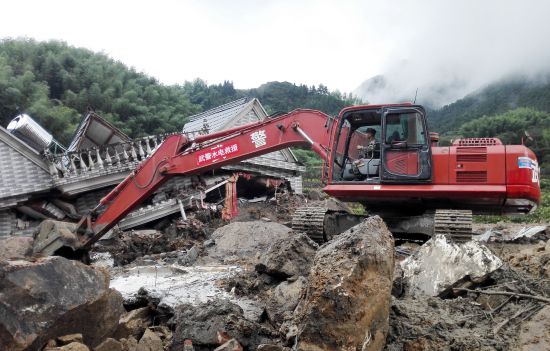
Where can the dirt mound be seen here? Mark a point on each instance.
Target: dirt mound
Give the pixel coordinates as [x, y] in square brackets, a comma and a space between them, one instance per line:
[289, 256]
[244, 240]
[532, 259]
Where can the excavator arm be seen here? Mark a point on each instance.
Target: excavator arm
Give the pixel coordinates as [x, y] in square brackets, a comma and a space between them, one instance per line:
[178, 155]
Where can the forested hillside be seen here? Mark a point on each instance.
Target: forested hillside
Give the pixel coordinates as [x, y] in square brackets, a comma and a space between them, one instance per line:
[525, 125]
[56, 83]
[495, 99]
[274, 96]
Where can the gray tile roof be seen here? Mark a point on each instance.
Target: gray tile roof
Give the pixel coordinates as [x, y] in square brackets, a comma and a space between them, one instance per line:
[240, 112]
[218, 117]
[22, 171]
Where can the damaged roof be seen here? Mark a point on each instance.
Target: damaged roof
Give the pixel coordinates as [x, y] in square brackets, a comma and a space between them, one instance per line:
[219, 117]
[95, 131]
[237, 113]
[22, 170]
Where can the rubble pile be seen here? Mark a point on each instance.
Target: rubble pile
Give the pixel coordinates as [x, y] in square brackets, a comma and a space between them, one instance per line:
[150, 244]
[488, 317]
[478, 298]
[255, 284]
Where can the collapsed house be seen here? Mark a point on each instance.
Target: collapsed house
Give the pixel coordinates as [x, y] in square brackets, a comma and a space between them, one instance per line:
[39, 182]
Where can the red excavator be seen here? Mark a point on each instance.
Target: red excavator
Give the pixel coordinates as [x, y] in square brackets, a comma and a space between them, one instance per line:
[381, 156]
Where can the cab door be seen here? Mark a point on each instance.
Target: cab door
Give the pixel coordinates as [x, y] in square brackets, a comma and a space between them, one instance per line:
[405, 149]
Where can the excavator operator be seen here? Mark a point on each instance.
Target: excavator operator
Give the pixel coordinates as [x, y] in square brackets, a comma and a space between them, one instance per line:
[370, 141]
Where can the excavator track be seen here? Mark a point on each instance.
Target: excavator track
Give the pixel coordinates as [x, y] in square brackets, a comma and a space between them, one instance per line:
[311, 220]
[321, 224]
[454, 224]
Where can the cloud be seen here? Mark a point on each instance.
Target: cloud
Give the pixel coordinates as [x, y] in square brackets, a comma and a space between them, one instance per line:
[454, 48]
[415, 44]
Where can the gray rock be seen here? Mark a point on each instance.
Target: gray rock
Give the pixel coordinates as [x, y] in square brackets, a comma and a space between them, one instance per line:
[109, 344]
[269, 347]
[67, 339]
[230, 345]
[204, 322]
[284, 299]
[209, 243]
[15, 247]
[347, 300]
[55, 296]
[192, 254]
[150, 341]
[440, 265]
[288, 257]
[201, 323]
[134, 323]
[74, 346]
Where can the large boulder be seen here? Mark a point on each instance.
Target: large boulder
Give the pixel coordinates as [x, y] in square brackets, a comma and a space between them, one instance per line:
[284, 298]
[289, 256]
[53, 297]
[441, 265]
[347, 301]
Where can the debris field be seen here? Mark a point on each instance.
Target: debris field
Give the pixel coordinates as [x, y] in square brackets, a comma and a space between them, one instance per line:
[255, 284]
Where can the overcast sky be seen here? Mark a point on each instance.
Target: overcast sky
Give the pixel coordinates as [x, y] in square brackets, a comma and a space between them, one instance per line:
[337, 43]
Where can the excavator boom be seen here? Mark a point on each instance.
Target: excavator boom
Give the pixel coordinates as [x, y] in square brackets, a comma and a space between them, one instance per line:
[178, 156]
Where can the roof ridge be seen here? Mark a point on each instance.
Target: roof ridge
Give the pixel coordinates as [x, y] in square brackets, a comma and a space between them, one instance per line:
[220, 108]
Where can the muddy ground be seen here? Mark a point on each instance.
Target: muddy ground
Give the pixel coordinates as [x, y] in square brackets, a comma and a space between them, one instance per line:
[467, 321]
[211, 281]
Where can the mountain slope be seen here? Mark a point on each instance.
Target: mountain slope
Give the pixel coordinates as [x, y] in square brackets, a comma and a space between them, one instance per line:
[495, 99]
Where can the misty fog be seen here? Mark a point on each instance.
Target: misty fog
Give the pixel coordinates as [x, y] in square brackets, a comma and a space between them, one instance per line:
[449, 49]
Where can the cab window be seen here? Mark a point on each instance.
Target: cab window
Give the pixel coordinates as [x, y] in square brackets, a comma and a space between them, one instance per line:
[405, 127]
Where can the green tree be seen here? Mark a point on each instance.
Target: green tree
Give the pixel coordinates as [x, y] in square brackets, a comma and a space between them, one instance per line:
[514, 127]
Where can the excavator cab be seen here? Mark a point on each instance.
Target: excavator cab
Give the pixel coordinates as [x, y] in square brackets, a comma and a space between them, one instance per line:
[399, 153]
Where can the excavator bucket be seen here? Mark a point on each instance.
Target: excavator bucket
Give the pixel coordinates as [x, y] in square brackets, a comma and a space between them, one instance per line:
[56, 238]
